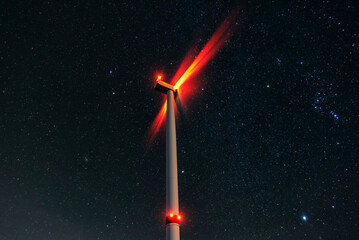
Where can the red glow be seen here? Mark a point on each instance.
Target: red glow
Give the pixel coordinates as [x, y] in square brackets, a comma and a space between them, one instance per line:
[188, 70]
[156, 125]
[215, 43]
[173, 218]
[184, 65]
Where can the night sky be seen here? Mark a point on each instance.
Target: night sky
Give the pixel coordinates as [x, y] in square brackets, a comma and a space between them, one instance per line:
[268, 147]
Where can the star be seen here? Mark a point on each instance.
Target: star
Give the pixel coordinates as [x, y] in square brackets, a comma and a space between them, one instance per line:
[69, 116]
[336, 116]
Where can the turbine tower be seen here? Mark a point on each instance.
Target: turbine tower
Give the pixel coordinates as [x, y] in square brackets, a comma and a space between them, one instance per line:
[172, 207]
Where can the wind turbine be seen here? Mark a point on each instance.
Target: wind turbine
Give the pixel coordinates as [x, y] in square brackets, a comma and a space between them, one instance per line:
[172, 206]
[215, 43]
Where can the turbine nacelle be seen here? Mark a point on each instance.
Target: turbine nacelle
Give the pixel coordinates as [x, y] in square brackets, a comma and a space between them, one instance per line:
[164, 87]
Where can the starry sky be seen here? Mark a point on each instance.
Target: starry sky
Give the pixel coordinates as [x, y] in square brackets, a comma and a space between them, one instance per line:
[267, 147]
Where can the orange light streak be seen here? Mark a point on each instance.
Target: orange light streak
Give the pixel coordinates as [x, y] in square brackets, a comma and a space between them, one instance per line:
[156, 125]
[215, 43]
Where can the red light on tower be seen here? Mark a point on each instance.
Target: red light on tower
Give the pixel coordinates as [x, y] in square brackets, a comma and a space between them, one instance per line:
[173, 218]
[159, 77]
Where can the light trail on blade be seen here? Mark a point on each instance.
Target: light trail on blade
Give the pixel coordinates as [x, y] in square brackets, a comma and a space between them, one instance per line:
[155, 126]
[215, 43]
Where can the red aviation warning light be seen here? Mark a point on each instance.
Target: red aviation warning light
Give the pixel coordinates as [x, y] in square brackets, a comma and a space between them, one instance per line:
[173, 218]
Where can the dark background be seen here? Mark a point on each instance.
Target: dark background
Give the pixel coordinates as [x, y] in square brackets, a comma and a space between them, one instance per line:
[77, 100]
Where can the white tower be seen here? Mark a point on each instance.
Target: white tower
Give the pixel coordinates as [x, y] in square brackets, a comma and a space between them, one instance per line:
[172, 207]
